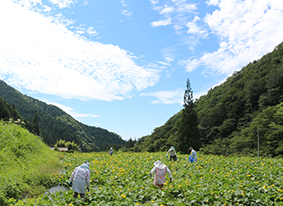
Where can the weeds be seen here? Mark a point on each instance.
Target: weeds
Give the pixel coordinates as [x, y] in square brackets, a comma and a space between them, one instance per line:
[26, 164]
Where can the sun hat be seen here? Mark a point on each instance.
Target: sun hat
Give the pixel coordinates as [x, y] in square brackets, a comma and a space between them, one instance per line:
[85, 165]
[158, 164]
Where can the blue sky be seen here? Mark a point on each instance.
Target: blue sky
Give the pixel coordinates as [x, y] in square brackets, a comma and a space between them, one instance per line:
[122, 65]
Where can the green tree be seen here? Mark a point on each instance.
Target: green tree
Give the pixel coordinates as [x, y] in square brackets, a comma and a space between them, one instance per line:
[188, 134]
[35, 125]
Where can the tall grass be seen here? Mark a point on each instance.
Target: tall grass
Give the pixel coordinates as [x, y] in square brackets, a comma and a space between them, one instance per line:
[26, 164]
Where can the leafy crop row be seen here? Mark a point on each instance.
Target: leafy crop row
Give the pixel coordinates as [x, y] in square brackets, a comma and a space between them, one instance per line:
[122, 179]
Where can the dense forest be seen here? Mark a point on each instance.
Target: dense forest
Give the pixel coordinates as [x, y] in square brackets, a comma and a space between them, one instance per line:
[51, 123]
[9, 113]
[233, 116]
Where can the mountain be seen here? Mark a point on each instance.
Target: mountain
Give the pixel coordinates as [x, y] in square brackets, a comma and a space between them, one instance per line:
[55, 124]
[232, 116]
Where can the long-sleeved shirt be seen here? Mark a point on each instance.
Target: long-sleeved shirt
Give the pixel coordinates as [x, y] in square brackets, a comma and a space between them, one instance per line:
[194, 155]
[159, 177]
[80, 177]
[172, 152]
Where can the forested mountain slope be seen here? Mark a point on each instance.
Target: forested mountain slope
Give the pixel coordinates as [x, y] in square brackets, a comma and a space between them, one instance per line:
[231, 116]
[55, 124]
[7, 111]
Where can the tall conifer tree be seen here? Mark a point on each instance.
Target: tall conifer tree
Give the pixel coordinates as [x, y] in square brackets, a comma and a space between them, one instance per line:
[35, 126]
[188, 134]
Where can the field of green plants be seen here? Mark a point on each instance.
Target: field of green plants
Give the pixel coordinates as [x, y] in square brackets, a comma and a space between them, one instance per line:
[122, 179]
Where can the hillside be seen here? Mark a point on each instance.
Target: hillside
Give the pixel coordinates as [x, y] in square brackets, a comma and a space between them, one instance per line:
[55, 124]
[26, 163]
[230, 115]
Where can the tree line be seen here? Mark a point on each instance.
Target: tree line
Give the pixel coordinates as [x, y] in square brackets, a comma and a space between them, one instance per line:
[52, 124]
[229, 119]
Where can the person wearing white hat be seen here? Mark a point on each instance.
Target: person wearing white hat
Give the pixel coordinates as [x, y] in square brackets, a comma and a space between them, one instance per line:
[172, 153]
[160, 170]
[80, 178]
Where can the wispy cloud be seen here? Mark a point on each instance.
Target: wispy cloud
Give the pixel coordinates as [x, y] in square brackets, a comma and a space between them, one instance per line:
[72, 111]
[163, 22]
[125, 11]
[49, 58]
[82, 30]
[246, 30]
[62, 3]
[166, 97]
[194, 28]
[175, 12]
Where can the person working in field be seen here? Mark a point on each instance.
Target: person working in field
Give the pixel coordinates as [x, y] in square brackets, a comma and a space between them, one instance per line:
[160, 170]
[111, 151]
[172, 153]
[80, 179]
[193, 156]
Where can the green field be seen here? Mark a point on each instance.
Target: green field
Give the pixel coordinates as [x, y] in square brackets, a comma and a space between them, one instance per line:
[122, 179]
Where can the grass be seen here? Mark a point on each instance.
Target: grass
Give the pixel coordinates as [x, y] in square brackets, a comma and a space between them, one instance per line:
[29, 168]
[26, 164]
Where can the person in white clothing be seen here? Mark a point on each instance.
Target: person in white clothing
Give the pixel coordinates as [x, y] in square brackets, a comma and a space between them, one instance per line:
[160, 170]
[172, 153]
[110, 151]
[80, 179]
[193, 155]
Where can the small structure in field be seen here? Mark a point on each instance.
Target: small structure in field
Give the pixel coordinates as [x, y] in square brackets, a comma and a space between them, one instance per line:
[61, 149]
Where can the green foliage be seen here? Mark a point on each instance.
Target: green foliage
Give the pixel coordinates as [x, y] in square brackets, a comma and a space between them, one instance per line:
[72, 146]
[123, 179]
[52, 124]
[35, 125]
[26, 163]
[7, 111]
[188, 134]
[228, 114]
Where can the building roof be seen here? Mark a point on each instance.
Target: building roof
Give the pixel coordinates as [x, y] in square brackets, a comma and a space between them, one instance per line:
[61, 149]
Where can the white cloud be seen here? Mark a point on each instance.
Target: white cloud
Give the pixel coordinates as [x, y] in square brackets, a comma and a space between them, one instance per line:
[127, 13]
[168, 59]
[166, 10]
[28, 3]
[85, 2]
[166, 97]
[82, 30]
[212, 2]
[48, 58]
[246, 30]
[163, 22]
[62, 3]
[71, 111]
[176, 13]
[91, 31]
[194, 28]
